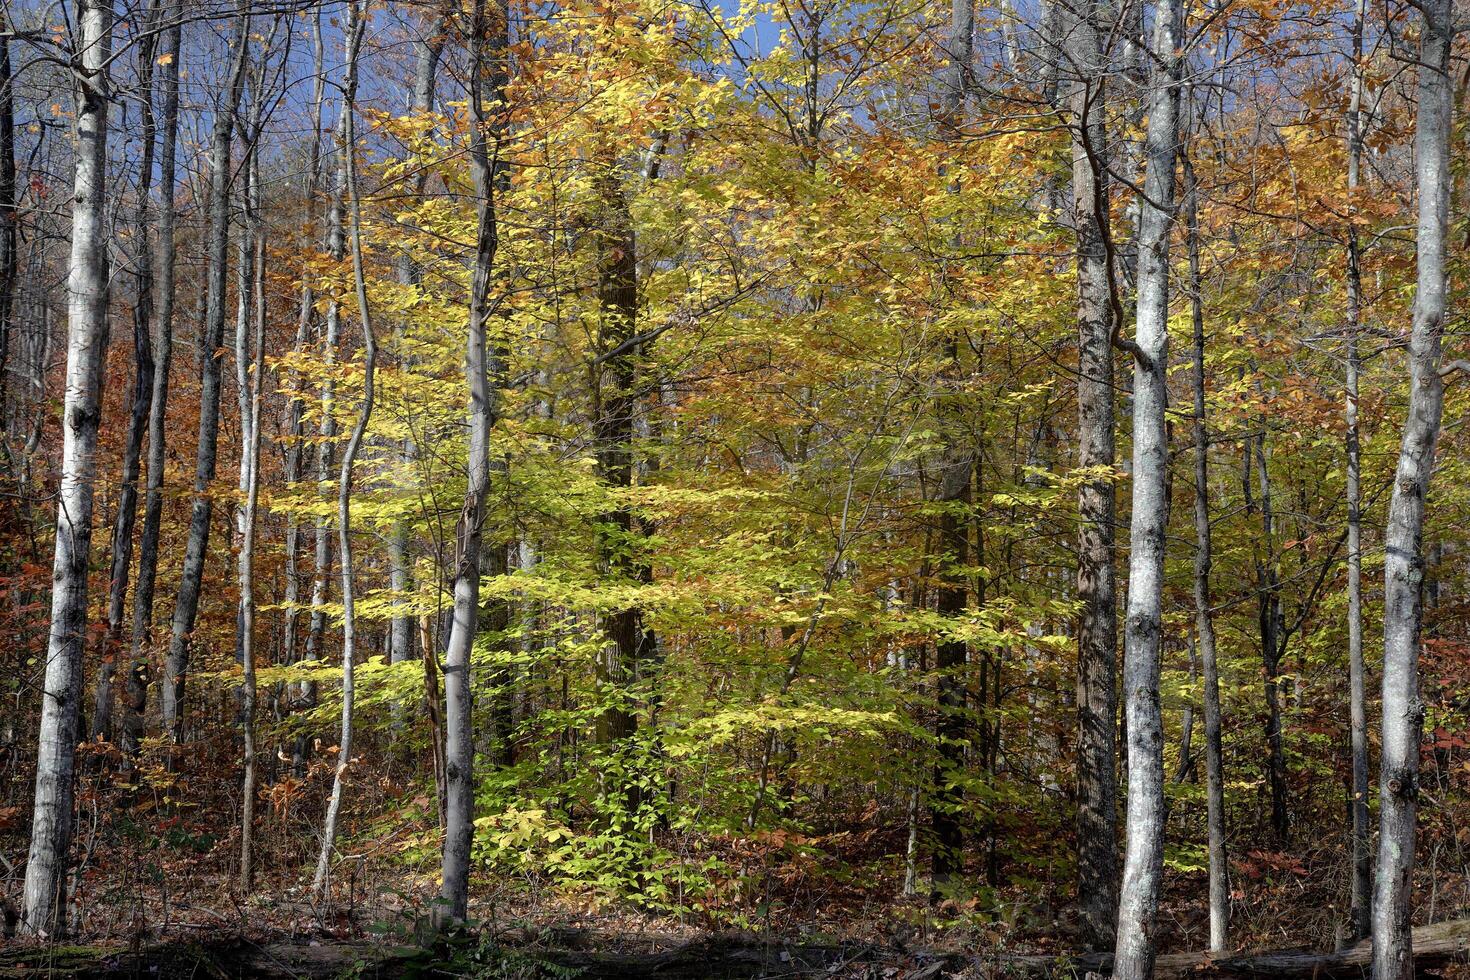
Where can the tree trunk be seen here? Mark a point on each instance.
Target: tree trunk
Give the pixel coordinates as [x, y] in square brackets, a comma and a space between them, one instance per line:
[953, 532]
[353, 33]
[429, 46]
[51, 825]
[1143, 860]
[1097, 626]
[196, 550]
[488, 41]
[135, 700]
[1403, 565]
[1204, 620]
[250, 461]
[1360, 892]
[143, 368]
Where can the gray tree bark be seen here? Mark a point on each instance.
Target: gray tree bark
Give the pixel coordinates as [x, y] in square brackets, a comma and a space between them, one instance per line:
[143, 369]
[1097, 626]
[135, 699]
[1361, 889]
[51, 823]
[1143, 860]
[488, 38]
[1403, 564]
[196, 550]
[947, 860]
[353, 34]
[1204, 621]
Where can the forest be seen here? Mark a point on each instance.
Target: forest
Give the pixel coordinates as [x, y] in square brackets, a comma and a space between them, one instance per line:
[740, 488]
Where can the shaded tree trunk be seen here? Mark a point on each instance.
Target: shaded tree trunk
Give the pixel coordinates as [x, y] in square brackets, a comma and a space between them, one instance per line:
[1361, 890]
[1204, 621]
[143, 369]
[1097, 626]
[135, 700]
[196, 550]
[353, 33]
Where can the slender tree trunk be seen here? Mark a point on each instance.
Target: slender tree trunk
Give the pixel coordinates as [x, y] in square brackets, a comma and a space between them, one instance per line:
[1097, 626]
[1273, 636]
[306, 319]
[9, 214]
[135, 700]
[143, 368]
[1143, 859]
[953, 532]
[51, 825]
[1204, 620]
[1403, 565]
[428, 46]
[1361, 890]
[196, 550]
[250, 459]
[488, 41]
[354, 31]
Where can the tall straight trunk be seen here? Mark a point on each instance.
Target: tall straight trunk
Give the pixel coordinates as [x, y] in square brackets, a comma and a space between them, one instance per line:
[487, 41]
[51, 824]
[1138, 902]
[953, 532]
[1204, 620]
[354, 31]
[135, 700]
[250, 425]
[429, 45]
[143, 368]
[1272, 631]
[1403, 564]
[1361, 890]
[326, 440]
[9, 213]
[306, 317]
[196, 550]
[1097, 625]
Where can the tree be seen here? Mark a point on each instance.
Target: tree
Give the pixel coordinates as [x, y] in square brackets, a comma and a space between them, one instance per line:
[1098, 311]
[186, 607]
[354, 31]
[1403, 566]
[1143, 860]
[487, 37]
[87, 290]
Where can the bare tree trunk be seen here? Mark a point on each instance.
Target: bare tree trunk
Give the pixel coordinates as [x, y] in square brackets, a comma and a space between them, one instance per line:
[1361, 891]
[1097, 626]
[429, 46]
[1272, 630]
[327, 438]
[953, 533]
[354, 31]
[1403, 566]
[135, 700]
[306, 317]
[250, 459]
[51, 825]
[1204, 621]
[127, 499]
[9, 214]
[487, 40]
[1143, 859]
[196, 550]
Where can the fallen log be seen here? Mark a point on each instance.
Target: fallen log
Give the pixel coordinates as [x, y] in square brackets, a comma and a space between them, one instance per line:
[1435, 946]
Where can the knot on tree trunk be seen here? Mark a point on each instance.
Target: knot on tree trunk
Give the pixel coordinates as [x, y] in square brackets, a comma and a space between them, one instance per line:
[1402, 783]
